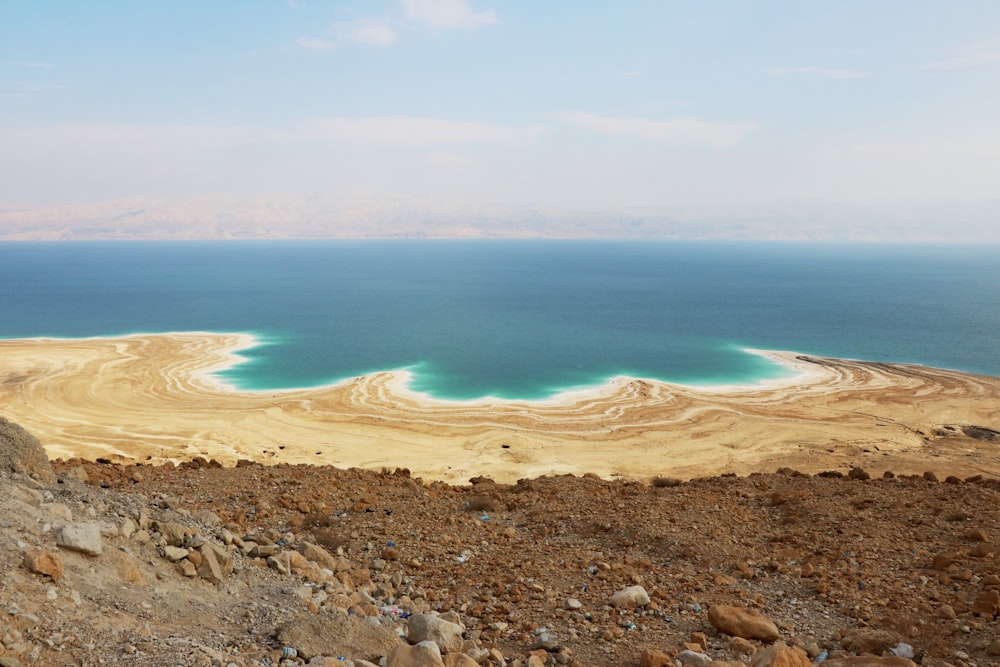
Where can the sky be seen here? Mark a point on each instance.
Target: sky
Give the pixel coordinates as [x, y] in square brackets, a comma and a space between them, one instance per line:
[657, 105]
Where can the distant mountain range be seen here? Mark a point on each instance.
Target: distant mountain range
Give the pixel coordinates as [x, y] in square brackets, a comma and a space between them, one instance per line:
[313, 216]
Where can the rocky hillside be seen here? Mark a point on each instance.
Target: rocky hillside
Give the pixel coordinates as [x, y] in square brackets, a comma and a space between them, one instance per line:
[104, 564]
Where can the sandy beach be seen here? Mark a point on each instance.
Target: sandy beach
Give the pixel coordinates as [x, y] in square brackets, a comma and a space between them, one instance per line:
[152, 398]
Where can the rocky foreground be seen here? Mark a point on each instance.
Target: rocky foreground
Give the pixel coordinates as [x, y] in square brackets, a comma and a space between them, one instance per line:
[106, 564]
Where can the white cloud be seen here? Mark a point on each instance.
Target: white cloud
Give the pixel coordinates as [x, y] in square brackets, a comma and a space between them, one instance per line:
[316, 44]
[819, 73]
[913, 168]
[369, 32]
[408, 131]
[446, 13]
[676, 131]
[979, 60]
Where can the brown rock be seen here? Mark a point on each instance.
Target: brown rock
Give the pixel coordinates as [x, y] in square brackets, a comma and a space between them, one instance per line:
[742, 622]
[943, 561]
[21, 452]
[419, 655]
[700, 639]
[318, 555]
[868, 641]
[741, 646]
[994, 648]
[946, 611]
[869, 661]
[653, 658]
[126, 567]
[981, 550]
[43, 562]
[339, 634]
[459, 660]
[780, 655]
[210, 568]
[977, 535]
[987, 603]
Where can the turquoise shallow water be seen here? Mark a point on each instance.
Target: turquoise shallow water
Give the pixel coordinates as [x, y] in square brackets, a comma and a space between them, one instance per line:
[518, 319]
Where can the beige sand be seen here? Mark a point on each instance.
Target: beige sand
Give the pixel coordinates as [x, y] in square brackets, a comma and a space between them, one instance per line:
[151, 398]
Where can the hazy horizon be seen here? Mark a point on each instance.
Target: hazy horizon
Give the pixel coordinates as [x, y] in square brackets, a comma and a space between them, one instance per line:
[480, 118]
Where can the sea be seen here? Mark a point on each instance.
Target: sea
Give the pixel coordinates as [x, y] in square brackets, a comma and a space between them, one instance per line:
[522, 319]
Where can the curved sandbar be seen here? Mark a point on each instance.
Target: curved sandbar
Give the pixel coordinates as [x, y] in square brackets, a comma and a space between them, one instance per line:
[152, 398]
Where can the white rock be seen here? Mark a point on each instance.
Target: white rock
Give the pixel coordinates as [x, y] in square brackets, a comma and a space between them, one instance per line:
[902, 650]
[573, 604]
[631, 597]
[83, 537]
[693, 659]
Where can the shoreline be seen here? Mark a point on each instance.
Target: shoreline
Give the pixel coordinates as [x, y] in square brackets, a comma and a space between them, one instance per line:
[156, 398]
[403, 377]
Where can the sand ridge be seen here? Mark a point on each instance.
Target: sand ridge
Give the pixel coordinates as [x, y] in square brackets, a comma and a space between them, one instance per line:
[153, 398]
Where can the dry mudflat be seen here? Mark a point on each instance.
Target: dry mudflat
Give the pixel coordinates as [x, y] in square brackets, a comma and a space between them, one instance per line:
[153, 399]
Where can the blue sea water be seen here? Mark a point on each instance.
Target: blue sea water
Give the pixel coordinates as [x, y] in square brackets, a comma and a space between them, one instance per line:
[518, 319]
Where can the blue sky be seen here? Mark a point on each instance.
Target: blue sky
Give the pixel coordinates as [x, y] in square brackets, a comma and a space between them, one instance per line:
[580, 105]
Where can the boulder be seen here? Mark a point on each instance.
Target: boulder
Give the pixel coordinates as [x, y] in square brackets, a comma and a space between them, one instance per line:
[428, 627]
[630, 598]
[742, 622]
[780, 655]
[21, 452]
[82, 537]
[338, 634]
[424, 654]
[216, 562]
[318, 555]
